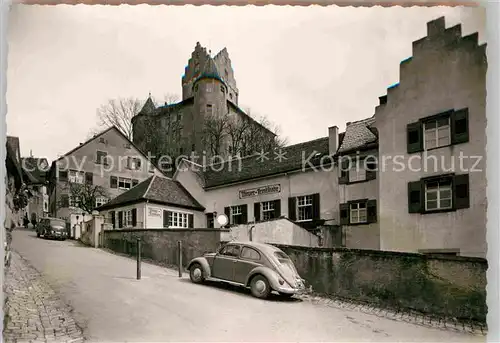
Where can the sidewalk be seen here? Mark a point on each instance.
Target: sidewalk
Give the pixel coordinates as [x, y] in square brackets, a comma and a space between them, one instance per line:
[33, 311]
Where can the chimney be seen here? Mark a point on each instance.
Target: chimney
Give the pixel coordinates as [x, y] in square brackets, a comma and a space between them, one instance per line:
[333, 140]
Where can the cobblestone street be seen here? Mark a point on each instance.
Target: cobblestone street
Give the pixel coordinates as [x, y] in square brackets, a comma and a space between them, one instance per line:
[34, 311]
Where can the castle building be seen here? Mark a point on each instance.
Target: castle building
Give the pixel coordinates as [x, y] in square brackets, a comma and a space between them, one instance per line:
[208, 120]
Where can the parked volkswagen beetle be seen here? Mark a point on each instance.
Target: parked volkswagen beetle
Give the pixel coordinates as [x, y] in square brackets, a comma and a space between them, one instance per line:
[261, 267]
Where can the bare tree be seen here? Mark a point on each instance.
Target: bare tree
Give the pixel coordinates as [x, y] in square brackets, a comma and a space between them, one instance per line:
[120, 111]
[215, 131]
[83, 195]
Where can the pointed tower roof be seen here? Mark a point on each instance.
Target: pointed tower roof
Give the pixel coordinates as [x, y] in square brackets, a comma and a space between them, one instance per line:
[149, 107]
[209, 71]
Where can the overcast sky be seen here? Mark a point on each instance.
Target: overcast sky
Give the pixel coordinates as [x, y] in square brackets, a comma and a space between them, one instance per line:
[305, 68]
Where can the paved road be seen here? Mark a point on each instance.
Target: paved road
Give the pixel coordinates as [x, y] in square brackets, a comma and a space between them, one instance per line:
[110, 305]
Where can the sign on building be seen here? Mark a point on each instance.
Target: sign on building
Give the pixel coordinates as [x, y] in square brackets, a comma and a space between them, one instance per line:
[154, 212]
[253, 192]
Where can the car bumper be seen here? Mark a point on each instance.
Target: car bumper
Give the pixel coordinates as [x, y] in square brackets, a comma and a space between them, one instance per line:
[291, 290]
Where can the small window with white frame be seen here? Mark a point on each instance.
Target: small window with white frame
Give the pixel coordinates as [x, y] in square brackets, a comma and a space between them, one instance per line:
[99, 201]
[304, 208]
[438, 195]
[74, 201]
[358, 213]
[178, 220]
[236, 215]
[437, 133]
[267, 210]
[128, 218]
[357, 171]
[75, 176]
[209, 88]
[124, 183]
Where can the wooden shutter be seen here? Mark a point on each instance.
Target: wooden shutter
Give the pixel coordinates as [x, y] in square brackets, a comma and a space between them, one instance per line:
[138, 163]
[371, 167]
[277, 208]
[292, 212]
[64, 200]
[135, 182]
[113, 182]
[134, 217]
[344, 170]
[113, 219]
[315, 207]
[190, 221]
[461, 191]
[256, 211]
[371, 211]
[227, 212]
[460, 126]
[89, 178]
[415, 195]
[165, 218]
[120, 219]
[414, 137]
[63, 175]
[244, 214]
[344, 214]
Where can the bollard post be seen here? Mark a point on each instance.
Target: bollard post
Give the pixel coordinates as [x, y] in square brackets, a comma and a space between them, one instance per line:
[179, 259]
[138, 258]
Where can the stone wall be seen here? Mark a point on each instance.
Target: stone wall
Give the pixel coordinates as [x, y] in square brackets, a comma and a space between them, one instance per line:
[447, 286]
[160, 245]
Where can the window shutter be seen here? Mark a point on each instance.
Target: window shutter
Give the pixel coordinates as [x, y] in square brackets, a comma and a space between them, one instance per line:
[344, 214]
[89, 178]
[138, 163]
[415, 195]
[315, 207]
[292, 213]
[371, 168]
[227, 212]
[113, 182]
[134, 217]
[63, 175]
[113, 219]
[460, 126]
[64, 200]
[344, 171]
[165, 218]
[120, 219]
[256, 211]
[190, 221]
[414, 137]
[371, 211]
[135, 182]
[277, 208]
[129, 164]
[461, 191]
[244, 214]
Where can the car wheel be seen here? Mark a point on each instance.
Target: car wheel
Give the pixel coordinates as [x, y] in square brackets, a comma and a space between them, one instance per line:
[259, 286]
[196, 273]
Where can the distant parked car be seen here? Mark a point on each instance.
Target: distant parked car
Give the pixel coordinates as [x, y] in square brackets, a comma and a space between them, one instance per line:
[53, 228]
[261, 267]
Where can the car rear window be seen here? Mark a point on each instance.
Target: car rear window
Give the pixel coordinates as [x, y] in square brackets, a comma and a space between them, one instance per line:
[56, 222]
[281, 256]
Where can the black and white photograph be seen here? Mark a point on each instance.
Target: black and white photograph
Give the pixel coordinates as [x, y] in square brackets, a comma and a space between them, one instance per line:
[246, 174]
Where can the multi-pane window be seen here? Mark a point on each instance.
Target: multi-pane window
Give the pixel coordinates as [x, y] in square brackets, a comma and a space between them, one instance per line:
[178, 220]
[76, 176]
[358, 213]
[236, 215]
[128, 218]
[357, 171]
[124, 183]
[438, 195]
[209, 110]
[99, 201]
[133, 163]
[267, 210]
[74, 201]
[437, 133]
[101, 157]
[304, 208]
